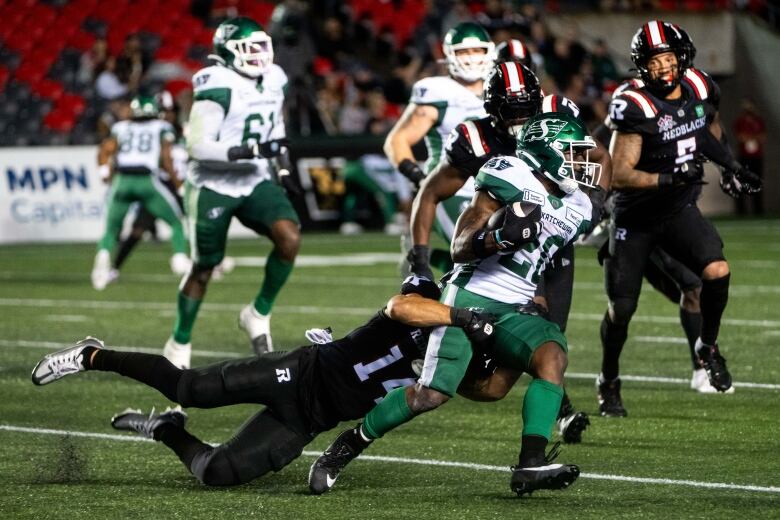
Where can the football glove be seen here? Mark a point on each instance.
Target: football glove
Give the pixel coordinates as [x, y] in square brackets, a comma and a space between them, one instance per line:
[319, 336]
[270, 149]
[518, 230]
[736, 182]
[411, 170]
[688, 173]
[478, 326]
[419, 258]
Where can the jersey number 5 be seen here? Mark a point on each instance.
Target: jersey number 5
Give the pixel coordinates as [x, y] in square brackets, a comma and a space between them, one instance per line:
[685, 149]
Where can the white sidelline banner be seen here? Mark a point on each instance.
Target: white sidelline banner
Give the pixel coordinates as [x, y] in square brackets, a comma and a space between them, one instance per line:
[54, 194]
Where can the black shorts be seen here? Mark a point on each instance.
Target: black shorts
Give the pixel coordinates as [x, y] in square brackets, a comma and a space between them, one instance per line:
[670, 277]
[686, 236]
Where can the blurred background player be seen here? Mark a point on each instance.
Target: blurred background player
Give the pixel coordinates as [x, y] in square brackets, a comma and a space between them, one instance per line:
[750, 132]
[437, 105]
[139, 148]
[663, 129]
[237, 144]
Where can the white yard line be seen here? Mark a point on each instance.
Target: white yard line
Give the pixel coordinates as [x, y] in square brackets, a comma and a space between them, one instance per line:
[196, 352]
[424, 462]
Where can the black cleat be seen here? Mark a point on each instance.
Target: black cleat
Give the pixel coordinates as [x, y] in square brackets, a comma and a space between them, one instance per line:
[326, 469]
[709, 359]
[610, 403]
[136, 421]
[572, 425]
[545, 476]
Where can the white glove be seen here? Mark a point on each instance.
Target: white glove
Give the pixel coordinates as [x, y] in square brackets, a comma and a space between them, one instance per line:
[319, 336]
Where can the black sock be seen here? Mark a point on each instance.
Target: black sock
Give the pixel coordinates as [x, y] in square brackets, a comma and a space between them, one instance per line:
[566, 406]
[532, 451]
[714, 296]
[613, 337]
[185, 445]
[691, 324]
[125, 247]
[150, 369]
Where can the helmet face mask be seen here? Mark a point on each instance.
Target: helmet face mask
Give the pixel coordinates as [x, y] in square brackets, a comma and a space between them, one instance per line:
[658, 37]
[512, 95]
[565, 136]
[243, 45]
[468, 66]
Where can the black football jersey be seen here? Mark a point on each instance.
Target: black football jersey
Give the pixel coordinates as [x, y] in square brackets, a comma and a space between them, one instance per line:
[354, 373]
[672, 133]
[472, 143]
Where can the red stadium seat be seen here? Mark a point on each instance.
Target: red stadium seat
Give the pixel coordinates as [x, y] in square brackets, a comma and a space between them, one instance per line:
[81, 41]
[49, 88]
[4, 75]
[71, 103]
[59, 121]
[29, 72]
[170, 54]
[177, 85]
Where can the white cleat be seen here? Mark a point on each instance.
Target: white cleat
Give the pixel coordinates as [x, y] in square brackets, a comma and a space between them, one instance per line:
[701, 383]
[180, 264]
[101, 270]
[258, 327]
[178, 353]
[62, 363]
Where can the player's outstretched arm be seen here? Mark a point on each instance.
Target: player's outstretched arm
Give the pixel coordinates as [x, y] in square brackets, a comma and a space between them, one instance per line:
[440, 185]
[417, 311]
[470, 228]
[625, 150]
[108, 147]
[408, 131]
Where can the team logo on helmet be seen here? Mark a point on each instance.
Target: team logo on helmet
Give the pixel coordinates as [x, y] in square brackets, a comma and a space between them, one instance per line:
[543, 129]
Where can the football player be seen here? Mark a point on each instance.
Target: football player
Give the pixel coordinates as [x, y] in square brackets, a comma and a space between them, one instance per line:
[306, 391]
[663, 128]
[438, 104]
[238, 148]
[500, 261]
[512, 96]
[138, 148]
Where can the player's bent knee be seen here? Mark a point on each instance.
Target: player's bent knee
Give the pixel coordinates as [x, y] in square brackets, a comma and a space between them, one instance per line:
[213, 468]
[621, 310]
[549, 362]
[715, 270]
[426, 399]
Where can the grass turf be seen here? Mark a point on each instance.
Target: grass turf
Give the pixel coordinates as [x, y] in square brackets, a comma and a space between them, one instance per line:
[671, 432]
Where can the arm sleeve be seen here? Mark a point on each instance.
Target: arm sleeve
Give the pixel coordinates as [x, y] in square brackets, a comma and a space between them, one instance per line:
[205, 120]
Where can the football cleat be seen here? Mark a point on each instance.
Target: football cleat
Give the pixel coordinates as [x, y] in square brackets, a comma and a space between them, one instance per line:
[64, 362]
[545, 476]
[326, 469]
[180, 264]
[136, 421]
[258, 327]
[101, 270]
[350, 228]
[701, 383]
[710, 360]
[572, 425]
[610, 402]
[178, 353]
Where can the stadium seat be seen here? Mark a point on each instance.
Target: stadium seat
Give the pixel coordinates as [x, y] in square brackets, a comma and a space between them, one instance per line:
[59, 121]
[4, 76]
[70, 103]
[48, 88]
[81, 41]
[177, 85]
[30, 73]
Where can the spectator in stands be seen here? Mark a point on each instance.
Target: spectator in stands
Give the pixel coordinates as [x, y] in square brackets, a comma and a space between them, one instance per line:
[131, 63]
[604, 68]
[107, 84]
[750, 131]
[93, 62]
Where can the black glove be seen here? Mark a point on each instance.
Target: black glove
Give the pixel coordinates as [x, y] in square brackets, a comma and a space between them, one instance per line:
[271, 149]
[689, 173]
[478, 326]
[739, 181]
[411, 170]
[288, 182]
[518, 230]
[419, 258]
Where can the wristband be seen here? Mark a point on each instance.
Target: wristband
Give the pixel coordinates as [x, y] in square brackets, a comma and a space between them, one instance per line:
[665, 180]
[460, 317]
[411, 171]
[235, 153]
[478, 246]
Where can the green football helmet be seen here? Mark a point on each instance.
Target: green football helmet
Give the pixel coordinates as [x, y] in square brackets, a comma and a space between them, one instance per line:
[144, 107]
[243, 45]
[469, 67]
[567, 136]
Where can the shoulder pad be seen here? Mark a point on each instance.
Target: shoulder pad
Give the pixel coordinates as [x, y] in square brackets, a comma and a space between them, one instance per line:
[505, 178]
[700, 82]
[429, 91]
[556, 103]
[632, 83]
[276, 75]
[473, 137]
[215, 76]
[631, 109]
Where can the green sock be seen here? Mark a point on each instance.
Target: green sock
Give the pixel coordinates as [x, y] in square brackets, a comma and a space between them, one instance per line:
[390, 413]
[185, 318]
[540, 408]
[276, 273]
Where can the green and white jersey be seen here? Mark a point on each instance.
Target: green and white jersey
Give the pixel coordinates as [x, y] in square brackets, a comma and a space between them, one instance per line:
[512, 278]
[140, 142]
[382, 172]
[455, 104]
[252, 113]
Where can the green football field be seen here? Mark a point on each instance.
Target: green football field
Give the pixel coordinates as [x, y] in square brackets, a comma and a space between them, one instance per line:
[678, 454]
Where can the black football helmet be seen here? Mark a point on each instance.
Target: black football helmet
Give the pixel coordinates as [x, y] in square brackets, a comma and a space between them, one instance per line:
[656, 37]
[514, 50]
[512, 95]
